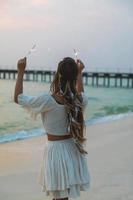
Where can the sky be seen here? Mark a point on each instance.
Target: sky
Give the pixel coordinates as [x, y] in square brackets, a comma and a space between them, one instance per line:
[100, 30]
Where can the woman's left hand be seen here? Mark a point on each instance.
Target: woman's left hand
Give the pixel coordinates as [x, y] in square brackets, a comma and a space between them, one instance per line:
[21, 64]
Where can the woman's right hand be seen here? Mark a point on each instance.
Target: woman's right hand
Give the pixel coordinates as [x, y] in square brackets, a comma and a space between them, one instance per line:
[80, 65]
[21, 64]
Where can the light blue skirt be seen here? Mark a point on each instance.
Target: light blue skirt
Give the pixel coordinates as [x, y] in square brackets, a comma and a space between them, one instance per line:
[64, 170]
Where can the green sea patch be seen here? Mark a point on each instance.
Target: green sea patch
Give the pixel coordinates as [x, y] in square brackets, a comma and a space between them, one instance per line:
[115, 109]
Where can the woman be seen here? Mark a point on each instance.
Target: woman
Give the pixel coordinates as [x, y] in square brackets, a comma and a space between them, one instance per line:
[64, 171]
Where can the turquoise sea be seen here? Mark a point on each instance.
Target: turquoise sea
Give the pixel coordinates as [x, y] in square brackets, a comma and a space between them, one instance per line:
[105, 105]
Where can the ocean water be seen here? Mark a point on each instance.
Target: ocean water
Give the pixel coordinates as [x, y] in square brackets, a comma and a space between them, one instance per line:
[105, 104]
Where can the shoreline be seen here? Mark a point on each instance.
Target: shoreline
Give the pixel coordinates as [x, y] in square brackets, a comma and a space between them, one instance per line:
[26, 134]
[110, 161]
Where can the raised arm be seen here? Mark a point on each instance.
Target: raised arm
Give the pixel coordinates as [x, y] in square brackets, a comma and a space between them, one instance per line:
[19, 82]
[79, 83]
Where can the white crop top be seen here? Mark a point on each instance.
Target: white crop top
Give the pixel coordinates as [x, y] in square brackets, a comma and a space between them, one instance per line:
[53, 115]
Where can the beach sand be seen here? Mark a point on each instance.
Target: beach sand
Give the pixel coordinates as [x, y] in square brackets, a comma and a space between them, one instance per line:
[110, 161]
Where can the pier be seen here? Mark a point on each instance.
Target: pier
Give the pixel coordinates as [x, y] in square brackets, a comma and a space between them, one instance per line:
[95, 79]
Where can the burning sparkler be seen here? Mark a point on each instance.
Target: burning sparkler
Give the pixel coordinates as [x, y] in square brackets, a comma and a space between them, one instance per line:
[75, 54]
[31, 50]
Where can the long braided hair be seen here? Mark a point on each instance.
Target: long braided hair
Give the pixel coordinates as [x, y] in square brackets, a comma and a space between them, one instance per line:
[64, 85]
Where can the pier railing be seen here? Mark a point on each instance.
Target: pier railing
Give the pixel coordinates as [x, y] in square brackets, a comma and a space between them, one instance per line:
[98, 79]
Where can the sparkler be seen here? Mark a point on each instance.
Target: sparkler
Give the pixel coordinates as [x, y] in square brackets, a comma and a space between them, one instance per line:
[75, 54]
[31, 50]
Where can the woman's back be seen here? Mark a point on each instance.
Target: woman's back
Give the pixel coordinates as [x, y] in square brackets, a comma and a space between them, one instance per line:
[53, 115]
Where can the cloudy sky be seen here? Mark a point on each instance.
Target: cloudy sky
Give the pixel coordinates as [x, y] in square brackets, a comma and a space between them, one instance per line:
[101, 31]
